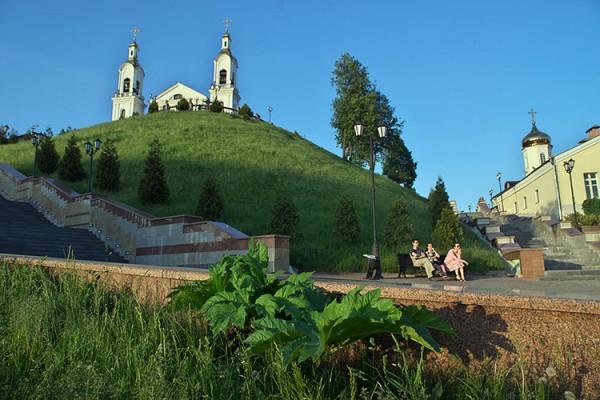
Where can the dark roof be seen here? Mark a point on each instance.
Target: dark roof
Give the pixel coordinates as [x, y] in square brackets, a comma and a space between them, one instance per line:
[534, 137]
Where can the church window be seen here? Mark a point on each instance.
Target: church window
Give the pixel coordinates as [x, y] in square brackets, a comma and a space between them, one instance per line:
[516, 208]
[233, 78]
[126, 84]
[537, 196]
[223, 77]
[591, 185]
[524, 203]
[543, 158]
[122, 114]
[177, 97]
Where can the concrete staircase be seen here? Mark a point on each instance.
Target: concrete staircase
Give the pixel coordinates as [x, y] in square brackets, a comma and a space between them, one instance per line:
[24, 231]
[566, 254]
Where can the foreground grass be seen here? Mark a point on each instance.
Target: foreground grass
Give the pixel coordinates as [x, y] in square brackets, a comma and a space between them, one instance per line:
[64, 338]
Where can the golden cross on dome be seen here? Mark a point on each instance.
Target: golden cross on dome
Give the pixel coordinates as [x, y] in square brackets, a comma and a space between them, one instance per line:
[227, 22]
[135, 32]
[532, 113]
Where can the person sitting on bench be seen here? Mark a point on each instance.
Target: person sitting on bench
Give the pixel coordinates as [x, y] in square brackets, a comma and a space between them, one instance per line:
[419, 259]
[434, 258]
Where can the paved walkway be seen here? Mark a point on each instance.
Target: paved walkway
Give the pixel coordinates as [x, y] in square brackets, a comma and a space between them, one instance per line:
[492, 283]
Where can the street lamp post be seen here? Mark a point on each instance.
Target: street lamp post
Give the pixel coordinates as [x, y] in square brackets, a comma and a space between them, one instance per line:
[381, 132]
[35, 140]
[269, 109]
[569, 165]
[91, 150]
[491, 193]
[499, 176]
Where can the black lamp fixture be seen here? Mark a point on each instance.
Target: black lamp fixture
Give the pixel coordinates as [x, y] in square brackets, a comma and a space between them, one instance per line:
[381, 133]
[491, 193]
[499, 176]
[569, 166]
[36, 138]
[91, 150]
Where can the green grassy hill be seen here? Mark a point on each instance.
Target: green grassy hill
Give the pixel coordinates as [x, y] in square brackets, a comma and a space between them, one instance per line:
[251, 160]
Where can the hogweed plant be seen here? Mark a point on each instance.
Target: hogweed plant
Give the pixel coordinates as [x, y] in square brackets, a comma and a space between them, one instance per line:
[294, 316]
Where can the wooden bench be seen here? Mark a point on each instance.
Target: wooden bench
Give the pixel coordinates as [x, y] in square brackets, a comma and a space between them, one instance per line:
[405, 263]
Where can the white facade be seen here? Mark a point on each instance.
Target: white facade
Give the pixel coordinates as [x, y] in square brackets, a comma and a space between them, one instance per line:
[546, 190]
[224, 82]
[167, 99]
[128, 99]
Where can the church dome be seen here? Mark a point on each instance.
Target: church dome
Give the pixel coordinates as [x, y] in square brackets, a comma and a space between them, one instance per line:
[535, 137]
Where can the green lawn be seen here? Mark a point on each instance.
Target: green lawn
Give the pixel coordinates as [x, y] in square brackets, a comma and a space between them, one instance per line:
[252, 160]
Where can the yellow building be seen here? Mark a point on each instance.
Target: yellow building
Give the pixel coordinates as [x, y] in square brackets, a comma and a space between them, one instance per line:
[546, 188]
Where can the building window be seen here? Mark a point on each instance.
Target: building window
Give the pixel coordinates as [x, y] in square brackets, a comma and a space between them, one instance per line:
[543, 158]
[177, 97]
[537, 196]
[524, 203]
[126, 84]
[591, 185]
[516, 208]
[223, 77]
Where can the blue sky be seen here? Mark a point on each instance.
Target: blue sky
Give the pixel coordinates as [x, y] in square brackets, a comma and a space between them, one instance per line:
[461, 74]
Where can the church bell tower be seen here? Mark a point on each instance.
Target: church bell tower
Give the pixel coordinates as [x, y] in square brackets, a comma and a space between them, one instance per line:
[128, 99]
[536, 147]
[224, 86]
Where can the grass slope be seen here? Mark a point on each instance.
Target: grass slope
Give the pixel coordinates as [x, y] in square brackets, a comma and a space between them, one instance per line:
[251, 160]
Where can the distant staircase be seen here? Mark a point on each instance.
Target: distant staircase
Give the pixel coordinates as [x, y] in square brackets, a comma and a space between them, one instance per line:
[24, 231]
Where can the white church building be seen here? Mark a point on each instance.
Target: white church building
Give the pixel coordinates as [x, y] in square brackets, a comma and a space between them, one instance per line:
[128, 99]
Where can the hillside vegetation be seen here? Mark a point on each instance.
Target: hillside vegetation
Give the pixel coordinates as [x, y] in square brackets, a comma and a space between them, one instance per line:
[251, 160]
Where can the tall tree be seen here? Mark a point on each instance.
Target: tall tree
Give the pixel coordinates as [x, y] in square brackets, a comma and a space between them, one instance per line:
[398, 164]
[153, 187]
[210, 205]
[70, 167]
[108, 171]
[346, 226]
[438, 200]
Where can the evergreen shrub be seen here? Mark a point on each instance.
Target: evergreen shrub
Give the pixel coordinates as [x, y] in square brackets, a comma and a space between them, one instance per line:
[438, 200]
[447, 230]
[153, 188]
[346, 226]
[398, 231]
[70, 167]
[48, 158]
[182, 105]
[246, 111]
[153, 107]
[591, 206]
[210, 205]
[285, 216]
[216, 106]
[108, 170]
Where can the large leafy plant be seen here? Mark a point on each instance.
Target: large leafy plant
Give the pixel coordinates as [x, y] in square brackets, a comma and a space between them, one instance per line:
[293, 315]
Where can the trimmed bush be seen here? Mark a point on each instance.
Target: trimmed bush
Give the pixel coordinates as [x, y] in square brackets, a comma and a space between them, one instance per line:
[398, 231]
[591, 206]
[70, 167]
[216, 106]
[346, 226]
[210, 205]
[153, 187]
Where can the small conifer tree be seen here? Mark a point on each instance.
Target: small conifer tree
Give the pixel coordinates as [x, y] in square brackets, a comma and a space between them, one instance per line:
[108, 170]
[285, 216]
[153, 107]
[153, 187]
[438, 200]
[183, 105]
[70, 167]
[48, 157]
[398, 231]
[246, 111]
[346, 226]
[447, 230]
[216, 106]
[210, 205]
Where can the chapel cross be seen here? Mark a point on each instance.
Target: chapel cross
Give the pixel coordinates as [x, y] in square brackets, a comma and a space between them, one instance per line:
[532, 113]
[227, 22]
[135, 32]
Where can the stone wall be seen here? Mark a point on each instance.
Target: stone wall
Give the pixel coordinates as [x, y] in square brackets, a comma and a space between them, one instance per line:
[523, 334]
[141, 238]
